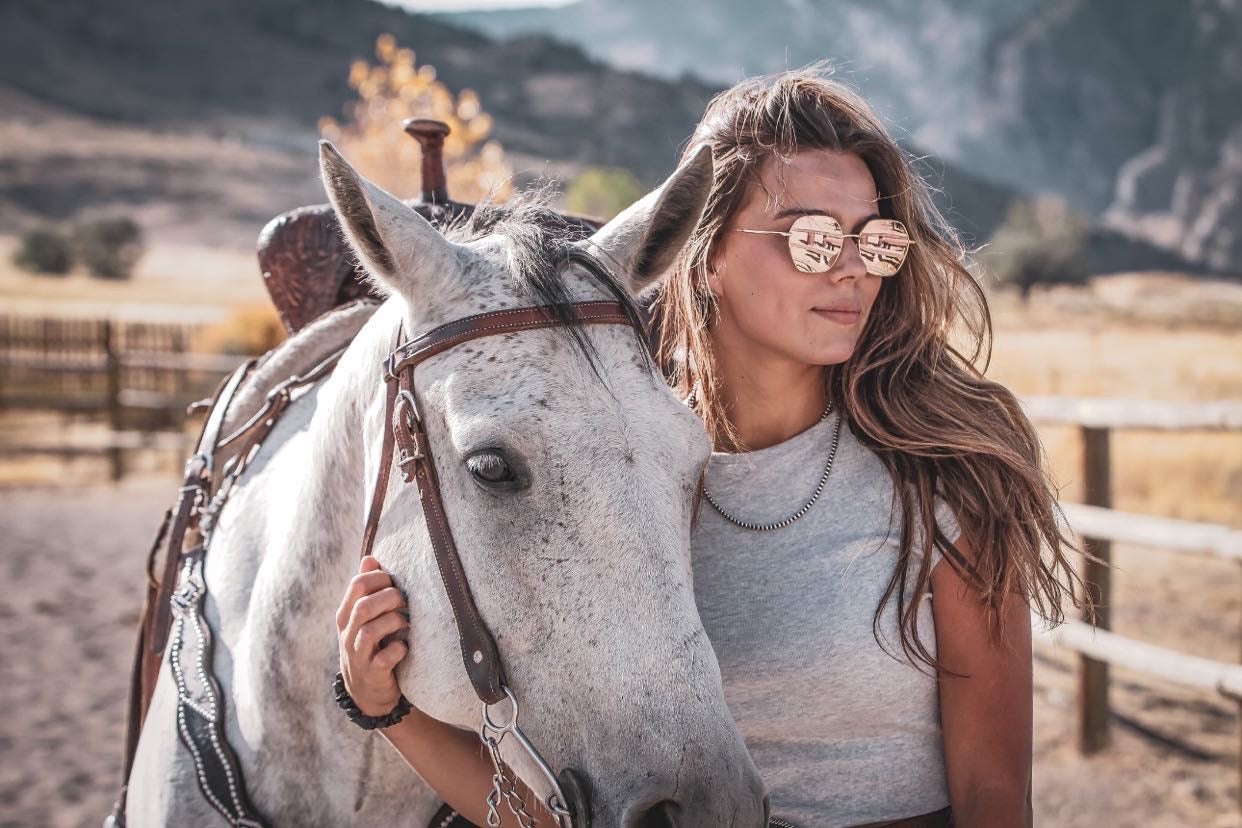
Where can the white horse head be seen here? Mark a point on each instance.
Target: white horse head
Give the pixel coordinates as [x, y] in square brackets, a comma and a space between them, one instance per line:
[568, 472]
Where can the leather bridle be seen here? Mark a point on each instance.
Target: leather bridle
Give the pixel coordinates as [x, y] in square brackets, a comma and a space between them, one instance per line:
[406, 436]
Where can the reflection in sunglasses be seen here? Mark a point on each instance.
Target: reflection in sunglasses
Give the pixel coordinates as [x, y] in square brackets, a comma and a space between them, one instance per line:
[816, 250]
[816, 241]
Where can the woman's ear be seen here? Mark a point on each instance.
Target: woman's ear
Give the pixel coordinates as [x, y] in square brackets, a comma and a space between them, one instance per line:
[713, 270]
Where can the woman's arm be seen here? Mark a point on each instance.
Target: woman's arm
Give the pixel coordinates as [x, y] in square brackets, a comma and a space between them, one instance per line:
[986, 713]
[452, 761]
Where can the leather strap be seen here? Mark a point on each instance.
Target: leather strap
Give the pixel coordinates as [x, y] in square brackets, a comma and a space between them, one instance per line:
[385, 468]
[478, 648]
[497, 322]
[255, 430]
[156, 617]
[407, 436]
[219, 771]
[196, 485]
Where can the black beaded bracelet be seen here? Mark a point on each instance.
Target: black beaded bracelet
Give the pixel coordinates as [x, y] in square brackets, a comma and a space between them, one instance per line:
[346, 703]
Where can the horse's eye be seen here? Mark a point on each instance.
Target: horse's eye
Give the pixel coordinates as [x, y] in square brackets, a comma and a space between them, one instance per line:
[491, 469]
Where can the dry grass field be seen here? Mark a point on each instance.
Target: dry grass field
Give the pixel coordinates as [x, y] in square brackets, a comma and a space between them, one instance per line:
[1175, 341]
[73, 590]
[172, 283]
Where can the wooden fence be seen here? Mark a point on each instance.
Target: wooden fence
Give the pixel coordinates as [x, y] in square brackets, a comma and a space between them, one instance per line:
[137, 377]
[1100, 526]
[116, 369]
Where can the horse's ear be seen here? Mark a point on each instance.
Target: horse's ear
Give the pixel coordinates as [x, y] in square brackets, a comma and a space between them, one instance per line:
[644, 239]
[398, 246]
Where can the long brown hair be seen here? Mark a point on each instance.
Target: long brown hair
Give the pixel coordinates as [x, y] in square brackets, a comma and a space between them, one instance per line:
[920, 403]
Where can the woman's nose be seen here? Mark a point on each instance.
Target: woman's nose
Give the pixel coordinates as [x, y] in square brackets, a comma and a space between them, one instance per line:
[849, 264]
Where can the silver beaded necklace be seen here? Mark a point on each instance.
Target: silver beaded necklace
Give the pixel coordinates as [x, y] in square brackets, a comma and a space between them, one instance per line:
[781, 524]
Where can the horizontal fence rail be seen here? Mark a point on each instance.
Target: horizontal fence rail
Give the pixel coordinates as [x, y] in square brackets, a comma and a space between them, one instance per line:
[1160, 662]
[113, 441]
[1192, 537]
[1137, 415]
[173, 361]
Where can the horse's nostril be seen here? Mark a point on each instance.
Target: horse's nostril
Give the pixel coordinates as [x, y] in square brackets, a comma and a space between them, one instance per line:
[660, 815]
[767, 809]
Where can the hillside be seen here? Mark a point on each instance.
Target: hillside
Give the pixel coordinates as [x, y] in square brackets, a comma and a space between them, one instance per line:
[1128, 110]
[212, 66]
[207, 111]
[200, 118]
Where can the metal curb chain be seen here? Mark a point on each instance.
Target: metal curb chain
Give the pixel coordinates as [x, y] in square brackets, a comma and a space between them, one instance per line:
[504, 784]
[781, 524]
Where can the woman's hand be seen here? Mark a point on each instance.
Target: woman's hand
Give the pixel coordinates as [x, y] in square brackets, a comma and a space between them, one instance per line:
[373, 610]
[447, 757]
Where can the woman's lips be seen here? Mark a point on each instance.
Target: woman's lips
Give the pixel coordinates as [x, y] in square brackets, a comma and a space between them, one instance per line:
[845, 316]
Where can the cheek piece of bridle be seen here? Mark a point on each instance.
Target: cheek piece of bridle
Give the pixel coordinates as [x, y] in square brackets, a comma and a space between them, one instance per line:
[406, 434]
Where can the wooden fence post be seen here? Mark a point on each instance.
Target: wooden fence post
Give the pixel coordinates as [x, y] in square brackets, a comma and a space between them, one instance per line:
[116, 460]
[1093, 675]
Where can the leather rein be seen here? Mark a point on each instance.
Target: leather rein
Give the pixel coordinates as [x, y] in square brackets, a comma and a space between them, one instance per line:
[406, 437]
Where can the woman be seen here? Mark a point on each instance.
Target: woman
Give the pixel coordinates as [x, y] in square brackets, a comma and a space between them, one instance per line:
[876, 508]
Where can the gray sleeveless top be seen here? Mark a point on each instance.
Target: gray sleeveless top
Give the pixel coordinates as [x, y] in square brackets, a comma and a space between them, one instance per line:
[842, 732]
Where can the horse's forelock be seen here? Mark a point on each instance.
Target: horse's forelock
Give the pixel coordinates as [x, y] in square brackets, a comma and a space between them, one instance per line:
[542, 242]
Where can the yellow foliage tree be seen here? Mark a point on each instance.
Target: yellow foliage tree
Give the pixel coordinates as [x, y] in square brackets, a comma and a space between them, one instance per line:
[374, 142]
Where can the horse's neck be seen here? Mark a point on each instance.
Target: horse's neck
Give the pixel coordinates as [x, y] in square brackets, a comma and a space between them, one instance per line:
[303, 515]
[313, 508]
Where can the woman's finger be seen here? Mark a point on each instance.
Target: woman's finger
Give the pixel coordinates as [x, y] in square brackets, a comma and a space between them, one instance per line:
[367, 640]
[372, 606]
[390, 655]
[360, 586]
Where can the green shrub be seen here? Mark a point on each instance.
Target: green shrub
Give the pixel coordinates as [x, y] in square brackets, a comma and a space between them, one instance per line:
[44, 251]
[602, 192]
[109, 247]
[1041, 242]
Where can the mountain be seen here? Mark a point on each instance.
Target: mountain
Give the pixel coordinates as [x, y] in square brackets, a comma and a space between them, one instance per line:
[1128, 110]
[204, 113]
[1135, 108]
[199, 118]
[208, 65]
[914, 61]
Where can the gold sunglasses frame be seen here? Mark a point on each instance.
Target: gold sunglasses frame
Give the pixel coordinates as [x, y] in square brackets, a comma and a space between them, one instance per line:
[803, 266]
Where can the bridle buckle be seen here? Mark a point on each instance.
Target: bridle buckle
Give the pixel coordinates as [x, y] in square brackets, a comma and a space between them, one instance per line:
[406, 411]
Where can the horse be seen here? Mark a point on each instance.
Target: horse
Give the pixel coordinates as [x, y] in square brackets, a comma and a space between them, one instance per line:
[568, 472]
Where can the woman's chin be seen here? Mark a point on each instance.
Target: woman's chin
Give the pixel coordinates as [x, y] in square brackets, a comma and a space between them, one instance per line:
[831, 353]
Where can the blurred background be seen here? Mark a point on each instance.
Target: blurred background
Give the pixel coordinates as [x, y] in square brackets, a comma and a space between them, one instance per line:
[1090, 150]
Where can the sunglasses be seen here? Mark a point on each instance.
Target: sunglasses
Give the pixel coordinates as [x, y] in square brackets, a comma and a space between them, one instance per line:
[815, 243]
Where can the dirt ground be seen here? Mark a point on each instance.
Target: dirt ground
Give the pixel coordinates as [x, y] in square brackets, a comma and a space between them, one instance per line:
[72, 560]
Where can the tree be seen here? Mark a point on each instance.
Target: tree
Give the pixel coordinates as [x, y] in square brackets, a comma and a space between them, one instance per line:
[44, 251]
[109, 247]
[1041, 242]
[396, 89]
[602, 192]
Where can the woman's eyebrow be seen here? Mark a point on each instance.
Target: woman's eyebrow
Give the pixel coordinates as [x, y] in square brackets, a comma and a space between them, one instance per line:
[808, 211]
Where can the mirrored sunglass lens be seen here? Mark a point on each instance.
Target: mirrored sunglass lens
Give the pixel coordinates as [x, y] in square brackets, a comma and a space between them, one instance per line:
[883, 244]
[815, 242]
